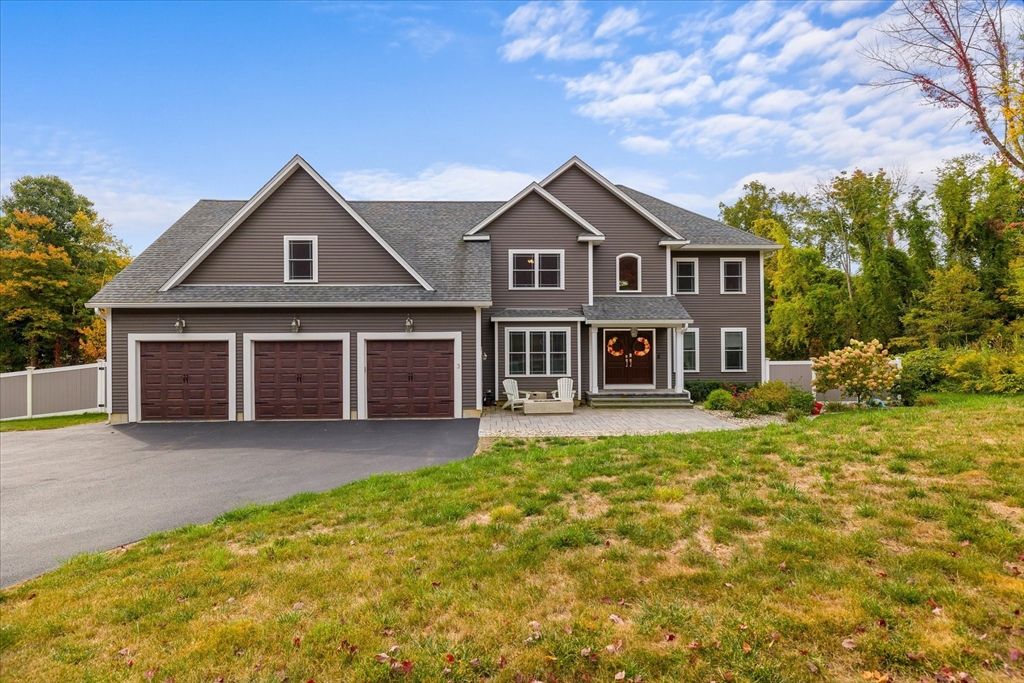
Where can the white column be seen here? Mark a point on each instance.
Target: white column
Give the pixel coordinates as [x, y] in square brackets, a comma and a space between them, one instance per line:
[497, 380]
[593, 360]
[679, 359]
[28, 390]
[579, 359]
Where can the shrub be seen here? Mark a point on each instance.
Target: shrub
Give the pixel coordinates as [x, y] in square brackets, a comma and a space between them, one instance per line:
[794, 414]
[719, 399]
[775, 395]
[701, 389]
[924, 367]
[736, 388]
[801, 400]
[972, 370]
[837, 407]
[861, 369]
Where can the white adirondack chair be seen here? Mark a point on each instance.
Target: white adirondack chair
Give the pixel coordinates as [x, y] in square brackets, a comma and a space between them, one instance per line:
[514, 397]
[564, 392]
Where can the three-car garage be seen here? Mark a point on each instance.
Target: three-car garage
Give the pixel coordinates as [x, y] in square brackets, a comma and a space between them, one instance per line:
[294, 376]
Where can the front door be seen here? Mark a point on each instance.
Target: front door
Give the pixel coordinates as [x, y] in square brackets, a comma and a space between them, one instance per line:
[628, 360]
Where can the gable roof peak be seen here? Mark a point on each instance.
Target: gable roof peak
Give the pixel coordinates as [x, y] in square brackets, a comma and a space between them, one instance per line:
[271, 186]
[538, 189]
[576, 162]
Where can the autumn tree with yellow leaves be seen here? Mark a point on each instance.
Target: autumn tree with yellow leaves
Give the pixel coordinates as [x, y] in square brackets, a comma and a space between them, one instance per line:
[55, 254]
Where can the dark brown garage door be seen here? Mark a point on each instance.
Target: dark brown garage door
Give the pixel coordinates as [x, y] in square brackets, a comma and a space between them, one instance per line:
[299, 380]
[410, 378]
[184, 380]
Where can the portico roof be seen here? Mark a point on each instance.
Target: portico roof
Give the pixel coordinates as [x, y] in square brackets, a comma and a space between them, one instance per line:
[643, 310]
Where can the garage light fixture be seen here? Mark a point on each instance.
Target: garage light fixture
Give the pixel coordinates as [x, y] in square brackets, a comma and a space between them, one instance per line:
[296, 324]
[409, 326]
[179, 325]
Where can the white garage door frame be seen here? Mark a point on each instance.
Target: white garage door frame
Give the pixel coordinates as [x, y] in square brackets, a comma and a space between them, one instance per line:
[249, 340]
[363, 337]
[134, 363]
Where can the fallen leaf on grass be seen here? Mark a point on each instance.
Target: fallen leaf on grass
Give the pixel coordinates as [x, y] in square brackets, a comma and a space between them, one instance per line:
[616, 618]
[621, 676]
[915, 656]
[670, 637]
[813, 667]
[746, 647]
[849, 643]
[614, 647]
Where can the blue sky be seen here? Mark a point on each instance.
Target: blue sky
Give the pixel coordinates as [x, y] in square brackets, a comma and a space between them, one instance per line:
[147, 107]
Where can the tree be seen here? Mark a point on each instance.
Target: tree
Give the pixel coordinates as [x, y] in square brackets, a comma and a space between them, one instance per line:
[50, 265]
[966, 55]
[759, 204]
[50, 196]
[916, 228]
[953, 310]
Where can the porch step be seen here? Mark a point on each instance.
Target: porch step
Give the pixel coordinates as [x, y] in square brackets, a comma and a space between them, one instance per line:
[639, 401]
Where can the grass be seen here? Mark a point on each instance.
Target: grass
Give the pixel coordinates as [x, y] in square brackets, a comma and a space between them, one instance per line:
[746, 555]
[52, 422]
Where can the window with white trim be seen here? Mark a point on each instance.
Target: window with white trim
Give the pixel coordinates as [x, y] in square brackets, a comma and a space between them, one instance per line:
[300, 258]
[535, 269]
[734, 349]
[691, 350]
[628, 270]
[686, 276]
[537, 352]
[734, 276]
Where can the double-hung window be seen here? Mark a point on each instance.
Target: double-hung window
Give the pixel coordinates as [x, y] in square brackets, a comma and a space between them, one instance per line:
[537, 352]
[734, 276]
[300, 258]
[535, 269]
[686, 276]
[734, 349]
[691, 350]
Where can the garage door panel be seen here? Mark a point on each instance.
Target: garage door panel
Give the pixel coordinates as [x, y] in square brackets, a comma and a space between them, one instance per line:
[184, 380]
[299, 380]
[410, 379]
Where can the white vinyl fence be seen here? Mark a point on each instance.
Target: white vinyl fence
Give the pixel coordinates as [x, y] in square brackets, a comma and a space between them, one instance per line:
[54, 391]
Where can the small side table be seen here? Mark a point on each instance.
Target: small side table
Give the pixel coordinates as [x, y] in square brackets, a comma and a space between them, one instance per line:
[538, 395]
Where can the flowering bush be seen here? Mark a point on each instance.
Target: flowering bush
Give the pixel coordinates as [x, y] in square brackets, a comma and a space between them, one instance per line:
[861, 369]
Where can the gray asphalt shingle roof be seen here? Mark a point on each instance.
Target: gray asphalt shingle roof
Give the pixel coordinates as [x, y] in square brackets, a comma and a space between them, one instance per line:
[536, 313]
[428, 235]
[636, 308]
[700, 230]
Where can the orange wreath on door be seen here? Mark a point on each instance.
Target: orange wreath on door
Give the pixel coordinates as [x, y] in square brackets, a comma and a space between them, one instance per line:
[612, 351]
[646, 346]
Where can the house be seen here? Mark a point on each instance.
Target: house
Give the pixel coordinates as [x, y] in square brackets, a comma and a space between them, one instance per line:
[299, 304]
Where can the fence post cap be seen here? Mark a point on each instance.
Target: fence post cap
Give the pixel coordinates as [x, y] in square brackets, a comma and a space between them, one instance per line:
[30, 367]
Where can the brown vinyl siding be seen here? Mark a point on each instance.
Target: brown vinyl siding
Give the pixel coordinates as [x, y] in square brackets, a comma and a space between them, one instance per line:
[316, 320]
[533, 223]
[711, 311]
[624, 229]
[254, 252]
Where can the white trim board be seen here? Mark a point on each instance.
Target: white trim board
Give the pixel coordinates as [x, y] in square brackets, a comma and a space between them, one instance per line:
[535, 188]
[249, 359]
[309, 304]
[272, 185]
[134, 390]
[608, 185]
[363, 337]
[721, 247]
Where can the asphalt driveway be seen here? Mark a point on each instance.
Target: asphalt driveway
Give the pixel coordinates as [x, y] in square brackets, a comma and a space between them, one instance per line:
[95, 487]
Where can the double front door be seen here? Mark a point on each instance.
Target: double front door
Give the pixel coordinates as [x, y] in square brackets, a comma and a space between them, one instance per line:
[628, 360]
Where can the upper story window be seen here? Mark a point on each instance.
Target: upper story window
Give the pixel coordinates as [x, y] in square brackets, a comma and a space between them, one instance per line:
[686, 276]
[536, 269]
[734, 276]
[628, 267]
[300, 258]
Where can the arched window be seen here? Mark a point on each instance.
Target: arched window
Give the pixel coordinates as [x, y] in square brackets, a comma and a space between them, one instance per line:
[628, 269]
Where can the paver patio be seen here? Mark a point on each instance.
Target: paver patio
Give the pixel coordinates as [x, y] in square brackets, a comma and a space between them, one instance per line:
[586, 421]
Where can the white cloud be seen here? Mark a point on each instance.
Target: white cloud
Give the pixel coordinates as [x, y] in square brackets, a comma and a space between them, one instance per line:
[139, 207]
[779, 101]
[645, 144]
[556, 31]
[427, 37]
[618, 21]
[453, 182]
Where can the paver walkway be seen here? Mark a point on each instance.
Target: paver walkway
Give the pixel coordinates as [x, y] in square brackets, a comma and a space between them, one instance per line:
[587, 421]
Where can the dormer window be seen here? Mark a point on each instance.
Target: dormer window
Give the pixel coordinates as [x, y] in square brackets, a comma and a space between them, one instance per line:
[535, 269]
[300, 258]
[628, 267]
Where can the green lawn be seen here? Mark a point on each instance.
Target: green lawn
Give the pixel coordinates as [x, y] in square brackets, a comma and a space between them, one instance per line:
[855, 546]
[54, 422]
